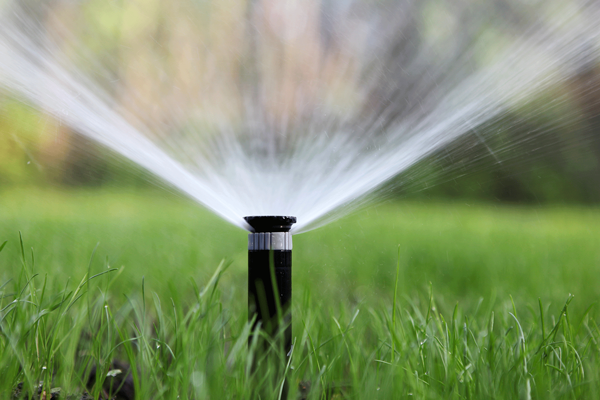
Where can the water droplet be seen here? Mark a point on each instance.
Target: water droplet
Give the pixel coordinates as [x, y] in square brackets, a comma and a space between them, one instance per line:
[114, 372]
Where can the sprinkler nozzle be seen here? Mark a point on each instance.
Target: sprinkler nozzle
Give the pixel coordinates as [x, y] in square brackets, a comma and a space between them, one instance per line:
[271, 223]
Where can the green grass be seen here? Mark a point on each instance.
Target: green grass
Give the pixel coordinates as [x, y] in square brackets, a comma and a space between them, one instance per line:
[481, 307]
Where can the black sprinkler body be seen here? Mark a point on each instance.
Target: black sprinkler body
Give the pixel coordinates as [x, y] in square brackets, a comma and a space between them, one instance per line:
[270, 275]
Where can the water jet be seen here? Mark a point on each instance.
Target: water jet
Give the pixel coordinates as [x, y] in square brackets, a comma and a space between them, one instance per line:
[270, 276]
[304, 113]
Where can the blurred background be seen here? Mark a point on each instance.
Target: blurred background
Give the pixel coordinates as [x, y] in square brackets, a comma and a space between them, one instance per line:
[544, 151]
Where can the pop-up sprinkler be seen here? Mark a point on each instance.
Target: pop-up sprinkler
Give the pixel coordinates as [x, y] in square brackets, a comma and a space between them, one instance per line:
[270, 275]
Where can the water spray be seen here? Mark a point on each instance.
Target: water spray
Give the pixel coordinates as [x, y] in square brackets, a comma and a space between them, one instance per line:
[270, 276]
[376, 89]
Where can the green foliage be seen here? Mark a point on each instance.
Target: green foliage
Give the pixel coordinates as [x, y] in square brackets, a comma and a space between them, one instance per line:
[543, 152]
[20, 136]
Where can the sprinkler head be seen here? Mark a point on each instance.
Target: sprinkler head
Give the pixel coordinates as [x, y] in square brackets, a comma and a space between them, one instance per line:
[271, 223]
[270, 276]
[270, 233]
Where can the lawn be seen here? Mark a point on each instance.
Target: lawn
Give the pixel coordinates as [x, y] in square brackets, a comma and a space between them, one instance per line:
[479, 312]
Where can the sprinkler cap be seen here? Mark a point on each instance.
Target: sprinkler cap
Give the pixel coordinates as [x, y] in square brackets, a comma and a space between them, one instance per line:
[271, 223]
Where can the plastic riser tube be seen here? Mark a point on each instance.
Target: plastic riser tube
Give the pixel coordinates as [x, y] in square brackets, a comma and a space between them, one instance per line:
[264, 298]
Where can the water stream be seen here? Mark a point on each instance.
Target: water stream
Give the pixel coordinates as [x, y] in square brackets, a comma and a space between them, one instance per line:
[288, 107]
